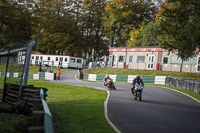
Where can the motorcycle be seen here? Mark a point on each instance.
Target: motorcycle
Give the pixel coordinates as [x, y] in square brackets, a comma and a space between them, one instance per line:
[109, 83]
[138, 92]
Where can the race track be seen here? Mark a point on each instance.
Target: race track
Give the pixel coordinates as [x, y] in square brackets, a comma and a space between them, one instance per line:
[160, 111]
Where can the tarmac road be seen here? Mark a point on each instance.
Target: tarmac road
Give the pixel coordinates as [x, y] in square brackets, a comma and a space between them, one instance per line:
[160, 111]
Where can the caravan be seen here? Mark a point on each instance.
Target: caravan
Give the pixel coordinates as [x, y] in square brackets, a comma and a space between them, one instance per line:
[62, 61]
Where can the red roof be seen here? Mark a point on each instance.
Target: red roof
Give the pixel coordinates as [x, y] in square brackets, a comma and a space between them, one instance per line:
[141, 49]
[156, 49]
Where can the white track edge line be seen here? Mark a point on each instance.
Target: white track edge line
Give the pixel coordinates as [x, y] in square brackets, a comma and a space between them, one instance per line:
[105, 108]
[106, 112]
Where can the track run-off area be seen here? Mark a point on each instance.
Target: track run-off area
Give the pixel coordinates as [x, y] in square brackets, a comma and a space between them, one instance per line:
[160, 111]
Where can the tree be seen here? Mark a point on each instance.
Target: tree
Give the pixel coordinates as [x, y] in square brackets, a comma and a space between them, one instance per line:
[53, 27]
[180, 23]
[145, 35]
[124, 15]
[14, 22]
[93, 28]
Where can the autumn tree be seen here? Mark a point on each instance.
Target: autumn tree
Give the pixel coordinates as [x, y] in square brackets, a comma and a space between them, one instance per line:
[122, 16]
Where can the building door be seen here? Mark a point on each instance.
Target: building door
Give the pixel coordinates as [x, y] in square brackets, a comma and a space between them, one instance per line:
[61, 61]
[198, 64]
[150, 63]
[113, 60]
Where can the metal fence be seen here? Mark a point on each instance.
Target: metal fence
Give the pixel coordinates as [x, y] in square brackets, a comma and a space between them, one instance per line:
[16, 60]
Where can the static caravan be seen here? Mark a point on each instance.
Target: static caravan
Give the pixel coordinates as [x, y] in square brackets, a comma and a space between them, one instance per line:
[62, 61]
[151, 58]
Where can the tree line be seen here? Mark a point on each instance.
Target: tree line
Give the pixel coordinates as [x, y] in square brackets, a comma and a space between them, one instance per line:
[87, 28]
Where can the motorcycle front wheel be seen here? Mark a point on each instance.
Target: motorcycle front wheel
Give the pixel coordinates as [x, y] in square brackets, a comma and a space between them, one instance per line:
[140, 96]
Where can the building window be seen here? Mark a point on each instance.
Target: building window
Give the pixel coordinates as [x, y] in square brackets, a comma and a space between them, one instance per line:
[190, 61]
[198, 64]
[130, 58]
[140, 59]
[40, 57]
[56, 58]
[65, 59]
[78, 60]
[175, 60]
[72, 60]
[33, 57]
[121, 58]
[49, 58]
[165, 60]
[37, 57]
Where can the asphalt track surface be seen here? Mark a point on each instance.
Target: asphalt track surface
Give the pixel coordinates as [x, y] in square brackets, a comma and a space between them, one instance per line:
[160, 111]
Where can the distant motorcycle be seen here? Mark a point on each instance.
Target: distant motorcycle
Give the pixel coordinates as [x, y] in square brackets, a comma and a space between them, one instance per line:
[109, 83]
[138, 93]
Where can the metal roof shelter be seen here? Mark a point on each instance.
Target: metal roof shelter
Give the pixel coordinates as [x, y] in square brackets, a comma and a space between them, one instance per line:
[15, 62]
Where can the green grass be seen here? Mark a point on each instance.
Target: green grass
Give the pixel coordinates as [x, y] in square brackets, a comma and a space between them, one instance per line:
[141, 72]
[1, 82]
[2, 67]
[10, 122]
[192, 94]
[76, 109]
[13, 123]
[34, 69]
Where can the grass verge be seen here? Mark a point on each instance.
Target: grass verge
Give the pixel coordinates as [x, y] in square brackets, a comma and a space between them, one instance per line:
[76, 109]
[13, 123]
[192, 94]
[34, 69]
[114, 71]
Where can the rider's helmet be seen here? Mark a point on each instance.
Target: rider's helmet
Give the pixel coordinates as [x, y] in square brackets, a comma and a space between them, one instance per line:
[107, 76]
[138, 76]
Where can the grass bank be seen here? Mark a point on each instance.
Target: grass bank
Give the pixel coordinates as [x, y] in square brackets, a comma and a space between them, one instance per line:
[13, 123]
[76, 109]
[34, 69]
[141, 72]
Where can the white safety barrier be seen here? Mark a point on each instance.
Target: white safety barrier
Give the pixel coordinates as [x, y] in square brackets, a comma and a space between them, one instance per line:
[49, 76]
[92, 77]
[113, 77]
[130, 78]
[160, 80]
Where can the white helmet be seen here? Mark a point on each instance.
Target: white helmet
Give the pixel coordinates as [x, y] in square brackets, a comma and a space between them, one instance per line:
[107, 76]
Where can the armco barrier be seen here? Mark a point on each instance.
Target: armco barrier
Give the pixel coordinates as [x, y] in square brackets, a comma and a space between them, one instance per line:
[125, 78]
[186, 84]
[190, 85]
[130, 78]
[41, 117]
[167, 81]
[40, 75]
[122, 78]
[160, 80]
[197, 87]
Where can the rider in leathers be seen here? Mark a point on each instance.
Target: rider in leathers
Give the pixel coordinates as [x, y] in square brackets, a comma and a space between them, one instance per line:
[137, 80]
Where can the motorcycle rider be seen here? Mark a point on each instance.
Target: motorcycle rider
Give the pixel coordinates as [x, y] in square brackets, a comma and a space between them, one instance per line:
[138, 81]
[105, 79]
